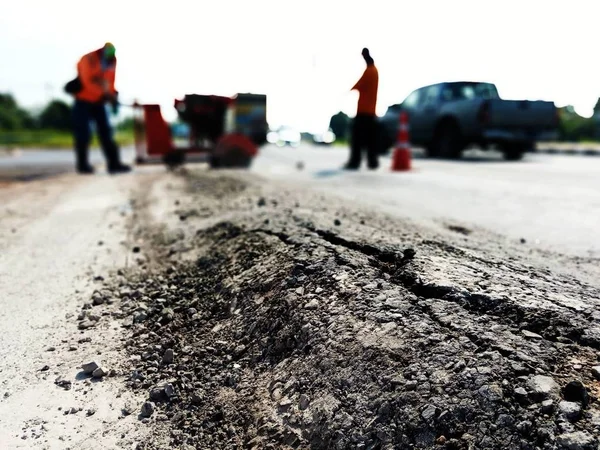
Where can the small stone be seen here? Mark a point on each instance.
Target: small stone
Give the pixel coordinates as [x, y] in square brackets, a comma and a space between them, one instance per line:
[337, 222]
[303, 402]
[411, 385]
[196, 399]
[261, 202]
[147, 409]
[276, 394]
[523, 241]
[88, 368]
[596, 372]
[542, 387]
[429, 412]
[168, 357]
[300, 290]
[99, 373]
[575, 391]
[170, 390]
[318, 290]
[136, 249]
[441, 440]
[157, 394]
[167, 315]
[45, 369]
[85, 324]
[548, 407]
[492, 392]
[284, 404]
[97, 299]
[51, 349]
[570, 410]
[577, 367]
[65, 384]
[312, 305]
[71, 410]
[578, 440]
[90, 412]
[409, 253]
[524, 427]
[530, 335]
[520, 393]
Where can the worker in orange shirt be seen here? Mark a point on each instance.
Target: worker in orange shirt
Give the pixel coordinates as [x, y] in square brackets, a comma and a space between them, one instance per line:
[94, 89]
[364, 125]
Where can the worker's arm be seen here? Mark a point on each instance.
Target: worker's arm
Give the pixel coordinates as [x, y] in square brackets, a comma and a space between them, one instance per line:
[111, 80]
[360, 83]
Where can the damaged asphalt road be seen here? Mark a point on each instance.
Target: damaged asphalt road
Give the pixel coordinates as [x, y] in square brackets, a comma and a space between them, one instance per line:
[270, 317]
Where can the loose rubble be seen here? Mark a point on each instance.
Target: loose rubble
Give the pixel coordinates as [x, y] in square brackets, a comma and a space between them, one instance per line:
[287, 330]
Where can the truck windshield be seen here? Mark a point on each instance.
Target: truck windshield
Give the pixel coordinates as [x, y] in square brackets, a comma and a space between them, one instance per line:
[467, 91]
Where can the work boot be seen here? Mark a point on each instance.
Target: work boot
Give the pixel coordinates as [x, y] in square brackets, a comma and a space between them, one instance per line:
[86, 169]
[349, 166]
[119, 168]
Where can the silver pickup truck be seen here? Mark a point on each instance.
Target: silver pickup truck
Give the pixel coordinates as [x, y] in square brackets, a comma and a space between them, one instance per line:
[446, 118]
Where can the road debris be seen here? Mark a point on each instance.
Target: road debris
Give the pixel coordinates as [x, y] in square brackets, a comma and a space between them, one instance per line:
[324, 337]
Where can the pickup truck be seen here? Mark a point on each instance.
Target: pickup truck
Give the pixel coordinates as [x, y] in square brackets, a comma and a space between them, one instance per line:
[446, 118]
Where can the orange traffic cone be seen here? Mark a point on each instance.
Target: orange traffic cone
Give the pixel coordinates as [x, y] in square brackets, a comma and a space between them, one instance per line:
[401, 156]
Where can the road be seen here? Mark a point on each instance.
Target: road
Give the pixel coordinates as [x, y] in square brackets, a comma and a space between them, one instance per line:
[36, 163]
[550, 201]
[61, 238]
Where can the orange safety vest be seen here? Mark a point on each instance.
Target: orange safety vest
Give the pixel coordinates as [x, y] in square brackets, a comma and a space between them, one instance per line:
[367, 88]
[95, 80]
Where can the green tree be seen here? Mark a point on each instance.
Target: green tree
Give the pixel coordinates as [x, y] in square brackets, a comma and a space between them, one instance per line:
[12, 117]
[56, 115]
[573, 127]
[597, 107]
[339, 124]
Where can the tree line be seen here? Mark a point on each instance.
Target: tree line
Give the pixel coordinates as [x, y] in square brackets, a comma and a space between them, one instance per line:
[56, 115]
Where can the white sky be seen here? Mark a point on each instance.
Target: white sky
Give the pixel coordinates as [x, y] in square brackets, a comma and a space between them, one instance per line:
[305, 55]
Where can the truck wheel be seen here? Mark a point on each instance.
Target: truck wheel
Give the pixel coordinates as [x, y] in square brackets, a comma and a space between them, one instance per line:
[235, 157]
[514, 152]
[233, 151]
[174, 158]
[448, 142]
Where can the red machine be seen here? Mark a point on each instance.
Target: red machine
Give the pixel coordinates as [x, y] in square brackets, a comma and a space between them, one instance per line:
[223, 131]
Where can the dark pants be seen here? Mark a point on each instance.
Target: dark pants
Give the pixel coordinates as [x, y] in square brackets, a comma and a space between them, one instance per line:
[83, 114]
[364, 137]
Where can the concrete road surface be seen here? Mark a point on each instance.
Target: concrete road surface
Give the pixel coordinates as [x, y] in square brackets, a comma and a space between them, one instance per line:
[36, 163]
[550, 201]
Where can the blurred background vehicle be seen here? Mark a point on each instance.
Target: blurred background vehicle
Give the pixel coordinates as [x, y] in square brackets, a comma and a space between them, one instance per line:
[324, 138]
[446, 118]
[285, 136]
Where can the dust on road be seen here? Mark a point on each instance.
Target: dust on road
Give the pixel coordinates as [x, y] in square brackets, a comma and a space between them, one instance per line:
[58, 239]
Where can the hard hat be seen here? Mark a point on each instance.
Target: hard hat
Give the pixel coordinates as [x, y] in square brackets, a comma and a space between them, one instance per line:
[109, 50]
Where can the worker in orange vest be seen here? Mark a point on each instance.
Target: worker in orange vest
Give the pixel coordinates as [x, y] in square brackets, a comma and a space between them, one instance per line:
[94, 89]
[365, 123]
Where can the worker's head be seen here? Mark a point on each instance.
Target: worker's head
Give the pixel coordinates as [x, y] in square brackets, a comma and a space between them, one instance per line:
[367, 55]
[108, 51]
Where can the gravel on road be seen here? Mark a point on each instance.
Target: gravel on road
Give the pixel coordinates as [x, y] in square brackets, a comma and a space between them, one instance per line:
[279, 318]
